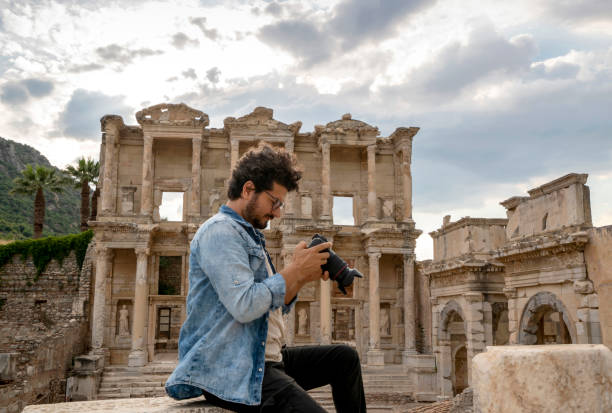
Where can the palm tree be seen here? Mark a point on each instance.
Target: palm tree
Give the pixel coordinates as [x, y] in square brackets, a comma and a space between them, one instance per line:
[86, 172]
[33, 182]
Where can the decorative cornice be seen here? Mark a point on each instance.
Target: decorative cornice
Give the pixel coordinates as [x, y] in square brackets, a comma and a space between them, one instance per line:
[542, 245]
[462, 265]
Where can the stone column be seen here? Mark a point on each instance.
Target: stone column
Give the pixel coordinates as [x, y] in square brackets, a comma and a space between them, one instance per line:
[371, 182]
[104, 263]
[111, 135]
[513, 316]
[291, 196]
[146, 197]
[375, 356]
[409, 306]
[138, 354]
[475, 334]
[407, 183]
[234, 152]
[196, 144]
[325, 311]
[325, 184]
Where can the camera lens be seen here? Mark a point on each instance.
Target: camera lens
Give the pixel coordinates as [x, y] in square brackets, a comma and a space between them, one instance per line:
[338, 269]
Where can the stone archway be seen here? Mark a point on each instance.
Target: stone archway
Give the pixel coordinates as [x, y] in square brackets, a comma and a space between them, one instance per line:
[460, 370]
[452, 337]
[445, 317]
[545, 320]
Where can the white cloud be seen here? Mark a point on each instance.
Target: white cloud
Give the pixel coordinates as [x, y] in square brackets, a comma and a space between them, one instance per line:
[506, 93]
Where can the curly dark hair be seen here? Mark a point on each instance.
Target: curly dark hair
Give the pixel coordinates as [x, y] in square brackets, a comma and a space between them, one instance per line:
[264, 165]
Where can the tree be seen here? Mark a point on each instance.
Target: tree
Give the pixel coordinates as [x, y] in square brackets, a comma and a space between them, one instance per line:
[86, 172]
[34, 181]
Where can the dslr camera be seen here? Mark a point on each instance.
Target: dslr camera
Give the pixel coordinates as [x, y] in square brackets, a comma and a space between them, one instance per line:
[338, 269]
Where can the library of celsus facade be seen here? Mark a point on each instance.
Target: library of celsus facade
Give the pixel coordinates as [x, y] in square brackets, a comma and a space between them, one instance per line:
[142, 260]
[535, 277]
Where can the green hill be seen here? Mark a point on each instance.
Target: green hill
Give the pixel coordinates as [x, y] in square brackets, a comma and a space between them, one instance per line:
[17, 212]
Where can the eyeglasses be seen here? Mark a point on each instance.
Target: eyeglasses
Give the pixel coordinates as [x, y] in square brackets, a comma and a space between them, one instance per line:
[277, 203]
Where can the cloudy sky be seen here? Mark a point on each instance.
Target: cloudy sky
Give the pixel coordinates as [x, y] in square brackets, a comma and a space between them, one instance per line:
[508, 95]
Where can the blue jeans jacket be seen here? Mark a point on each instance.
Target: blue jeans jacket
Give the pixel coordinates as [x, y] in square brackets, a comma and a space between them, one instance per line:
[222, 342]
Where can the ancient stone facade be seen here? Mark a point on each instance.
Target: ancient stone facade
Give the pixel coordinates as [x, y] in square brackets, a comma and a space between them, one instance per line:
[520, 280]
[43, 324]
[468, 303]
[173, 150]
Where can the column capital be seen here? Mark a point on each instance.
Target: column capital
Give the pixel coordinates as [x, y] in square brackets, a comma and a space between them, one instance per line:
[196, 139]
[142, 250]
[324, 144]
[409, 258]
[147, 138]
[104, 252]
[374, 255]
[371, 148]
[509, 292]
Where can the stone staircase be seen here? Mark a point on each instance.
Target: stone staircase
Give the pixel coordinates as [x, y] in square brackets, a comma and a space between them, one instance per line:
[387, 390]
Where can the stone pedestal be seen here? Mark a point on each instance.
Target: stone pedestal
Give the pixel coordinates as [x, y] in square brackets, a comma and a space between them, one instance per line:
[136, 405]
[553, 378]
[376, 358]
[84, 384]
[421, 368]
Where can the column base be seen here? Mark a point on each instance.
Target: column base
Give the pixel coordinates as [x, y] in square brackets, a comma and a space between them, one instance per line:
[407, 356]
[102, 351]
[376, 358]
[137, 358]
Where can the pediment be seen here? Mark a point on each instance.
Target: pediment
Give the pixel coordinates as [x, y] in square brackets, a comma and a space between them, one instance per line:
[172, 114]
[348, 124]
[260, 118]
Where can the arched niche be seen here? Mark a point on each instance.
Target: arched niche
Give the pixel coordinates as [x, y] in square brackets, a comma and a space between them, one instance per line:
[542, 308]
[446, 315]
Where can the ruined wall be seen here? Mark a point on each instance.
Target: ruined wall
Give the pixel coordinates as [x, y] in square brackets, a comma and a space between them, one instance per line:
[43, 324]
[564, 202]
[468, 235]
[598, 257]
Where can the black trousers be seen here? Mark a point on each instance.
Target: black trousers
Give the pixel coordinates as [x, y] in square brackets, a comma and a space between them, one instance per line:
[303, 368]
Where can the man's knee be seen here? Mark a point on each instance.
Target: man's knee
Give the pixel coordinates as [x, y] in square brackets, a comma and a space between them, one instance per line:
[348, 355]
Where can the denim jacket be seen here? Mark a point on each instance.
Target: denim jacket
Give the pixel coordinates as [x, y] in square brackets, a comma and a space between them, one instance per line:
[222, 342]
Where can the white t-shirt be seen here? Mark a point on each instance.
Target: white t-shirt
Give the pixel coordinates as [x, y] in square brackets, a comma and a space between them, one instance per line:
[276, 329]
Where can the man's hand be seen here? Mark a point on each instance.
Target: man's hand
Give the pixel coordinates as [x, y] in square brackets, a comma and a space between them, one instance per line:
[304, 267]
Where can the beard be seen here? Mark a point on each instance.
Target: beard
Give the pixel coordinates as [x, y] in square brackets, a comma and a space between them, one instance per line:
[251, 217]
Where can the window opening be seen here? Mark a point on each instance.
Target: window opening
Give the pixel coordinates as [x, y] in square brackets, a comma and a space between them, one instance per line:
[342, 210]
[171, 208]
[163, 323]
[169, 275]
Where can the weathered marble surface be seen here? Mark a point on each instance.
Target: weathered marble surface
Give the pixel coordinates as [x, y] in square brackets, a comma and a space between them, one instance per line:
[555, 378]
[148, 405]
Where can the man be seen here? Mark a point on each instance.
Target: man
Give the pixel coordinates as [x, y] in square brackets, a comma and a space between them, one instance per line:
[231, 346]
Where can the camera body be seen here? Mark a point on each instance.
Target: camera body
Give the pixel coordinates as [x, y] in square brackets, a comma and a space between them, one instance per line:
[338, 269]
